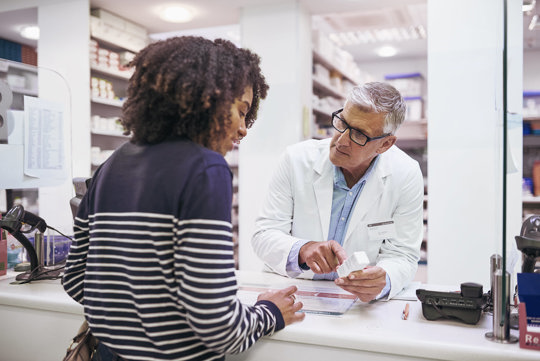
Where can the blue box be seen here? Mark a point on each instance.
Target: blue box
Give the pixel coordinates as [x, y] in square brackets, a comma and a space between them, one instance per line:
[529, 293]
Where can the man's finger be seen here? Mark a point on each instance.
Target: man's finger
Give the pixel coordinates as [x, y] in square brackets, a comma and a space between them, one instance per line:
[338, 251]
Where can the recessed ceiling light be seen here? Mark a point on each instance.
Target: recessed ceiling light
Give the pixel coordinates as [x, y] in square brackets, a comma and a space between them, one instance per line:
[386, 51]
[176, 14]
[30, 32]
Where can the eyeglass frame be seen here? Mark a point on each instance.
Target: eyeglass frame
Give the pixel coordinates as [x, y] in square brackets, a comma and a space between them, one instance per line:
[368, 138]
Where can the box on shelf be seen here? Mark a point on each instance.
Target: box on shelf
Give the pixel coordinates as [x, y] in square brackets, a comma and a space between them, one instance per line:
[408, 84]
[3, 252]
[120, 23]
[103, 31]
[531, 104]
[415, 108]
[340, 59]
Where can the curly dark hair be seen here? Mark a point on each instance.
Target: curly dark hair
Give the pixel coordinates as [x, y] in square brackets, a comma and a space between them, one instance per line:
[185, 87]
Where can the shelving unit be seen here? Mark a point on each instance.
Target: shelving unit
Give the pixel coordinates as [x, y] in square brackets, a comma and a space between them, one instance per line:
[531, 147]
[111, 46]
[22, 80]
[330, 85]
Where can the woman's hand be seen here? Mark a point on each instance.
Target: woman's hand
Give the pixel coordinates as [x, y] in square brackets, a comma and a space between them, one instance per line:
[285, 300]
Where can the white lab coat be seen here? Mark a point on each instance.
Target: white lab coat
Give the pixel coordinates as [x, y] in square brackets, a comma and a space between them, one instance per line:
[299, 201]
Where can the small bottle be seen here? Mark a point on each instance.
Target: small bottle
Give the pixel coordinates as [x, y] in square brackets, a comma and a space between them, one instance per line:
[3, 252]
[536, 178]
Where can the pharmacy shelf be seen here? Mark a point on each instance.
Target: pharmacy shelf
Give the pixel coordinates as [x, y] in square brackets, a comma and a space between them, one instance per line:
[327, 89]
[320, 59]
[531, 140]
[121, 74]
[112, 102]
[109, 133]
[531, 200]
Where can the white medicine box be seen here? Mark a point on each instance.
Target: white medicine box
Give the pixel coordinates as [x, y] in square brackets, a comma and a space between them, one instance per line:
[408, 84]
[412, 89]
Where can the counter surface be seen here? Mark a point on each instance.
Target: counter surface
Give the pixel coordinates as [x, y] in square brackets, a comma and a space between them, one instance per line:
[375, 330]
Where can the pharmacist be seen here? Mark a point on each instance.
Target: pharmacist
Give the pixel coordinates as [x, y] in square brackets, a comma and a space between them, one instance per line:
[353, 192]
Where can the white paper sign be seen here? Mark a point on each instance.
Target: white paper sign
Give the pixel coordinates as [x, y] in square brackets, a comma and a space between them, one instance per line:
[44, 139]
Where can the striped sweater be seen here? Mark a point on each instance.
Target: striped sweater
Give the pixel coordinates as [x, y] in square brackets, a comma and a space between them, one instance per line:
[152, 259]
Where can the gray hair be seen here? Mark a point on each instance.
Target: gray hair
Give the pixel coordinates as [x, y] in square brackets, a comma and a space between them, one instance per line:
[377, 97]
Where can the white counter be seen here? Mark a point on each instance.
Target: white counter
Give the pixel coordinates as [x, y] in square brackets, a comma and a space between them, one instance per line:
[377, 332]
[38, 321]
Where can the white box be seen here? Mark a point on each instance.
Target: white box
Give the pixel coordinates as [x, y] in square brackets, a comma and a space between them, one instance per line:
[357, 261]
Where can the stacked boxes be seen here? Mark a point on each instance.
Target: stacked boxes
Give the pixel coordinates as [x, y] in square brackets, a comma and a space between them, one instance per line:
[109, 60]
[17, 52]
[28, 55]
[10, 50]
[101, 88]
[531, 112]
[412, 88]
[114, 29]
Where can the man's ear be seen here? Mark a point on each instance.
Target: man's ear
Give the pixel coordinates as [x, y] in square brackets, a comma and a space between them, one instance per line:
[387, 143]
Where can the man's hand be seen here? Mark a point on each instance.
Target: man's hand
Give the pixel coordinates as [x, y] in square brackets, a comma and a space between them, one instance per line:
[285, 300]
[322, 257]
[366, 283]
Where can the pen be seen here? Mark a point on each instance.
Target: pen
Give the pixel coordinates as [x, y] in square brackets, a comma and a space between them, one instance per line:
[405, 313]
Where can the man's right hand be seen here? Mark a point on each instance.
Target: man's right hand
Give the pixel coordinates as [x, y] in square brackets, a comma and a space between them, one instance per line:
[322, 257]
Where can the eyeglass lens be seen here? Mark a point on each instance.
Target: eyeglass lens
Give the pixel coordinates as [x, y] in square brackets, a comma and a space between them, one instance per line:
[340, 125]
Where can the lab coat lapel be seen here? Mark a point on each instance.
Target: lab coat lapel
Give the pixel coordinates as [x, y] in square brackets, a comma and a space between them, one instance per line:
[323, 189]
[371, 194]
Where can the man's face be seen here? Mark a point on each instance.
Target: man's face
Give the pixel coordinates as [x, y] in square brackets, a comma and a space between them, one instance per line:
[354, 158]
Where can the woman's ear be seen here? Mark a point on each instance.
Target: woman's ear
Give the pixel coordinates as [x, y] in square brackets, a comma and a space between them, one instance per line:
[387, 143]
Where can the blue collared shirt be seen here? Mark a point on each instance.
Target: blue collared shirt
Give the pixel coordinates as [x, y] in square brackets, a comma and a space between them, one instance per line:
[343, 203]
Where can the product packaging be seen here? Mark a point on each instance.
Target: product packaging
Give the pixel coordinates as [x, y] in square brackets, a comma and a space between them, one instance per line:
[536, 178]
[3, 253]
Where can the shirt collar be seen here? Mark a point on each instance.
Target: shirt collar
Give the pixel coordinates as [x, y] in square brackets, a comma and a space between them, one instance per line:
[339, 178]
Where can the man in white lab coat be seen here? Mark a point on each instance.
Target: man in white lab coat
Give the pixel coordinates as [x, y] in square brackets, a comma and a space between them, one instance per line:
[353, 192]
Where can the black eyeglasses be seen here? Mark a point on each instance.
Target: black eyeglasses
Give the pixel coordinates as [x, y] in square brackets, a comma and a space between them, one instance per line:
[356, 135]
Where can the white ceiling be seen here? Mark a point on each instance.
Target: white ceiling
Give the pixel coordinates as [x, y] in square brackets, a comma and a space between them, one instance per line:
[347, 15]
[211, 13]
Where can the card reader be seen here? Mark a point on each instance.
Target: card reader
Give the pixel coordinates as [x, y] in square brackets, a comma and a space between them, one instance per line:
[357, 261]
[465, 306]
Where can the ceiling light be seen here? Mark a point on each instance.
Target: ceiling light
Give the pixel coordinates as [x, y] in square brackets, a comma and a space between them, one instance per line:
[176, 14]
[383, 35]
[386, 51]
[30, 32]
[528, 5]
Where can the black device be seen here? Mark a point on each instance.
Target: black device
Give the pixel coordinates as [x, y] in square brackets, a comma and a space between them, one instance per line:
[465, 306]
[81, 185]
[528, 242]
[17, 221]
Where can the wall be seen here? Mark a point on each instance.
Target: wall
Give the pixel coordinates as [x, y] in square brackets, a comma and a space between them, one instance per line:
[465, 137]
[286, 63]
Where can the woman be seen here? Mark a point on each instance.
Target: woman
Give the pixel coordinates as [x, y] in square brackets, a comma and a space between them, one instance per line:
[152, 260]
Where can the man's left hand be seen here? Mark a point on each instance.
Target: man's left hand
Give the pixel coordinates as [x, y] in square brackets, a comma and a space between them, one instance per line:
[366, 283]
